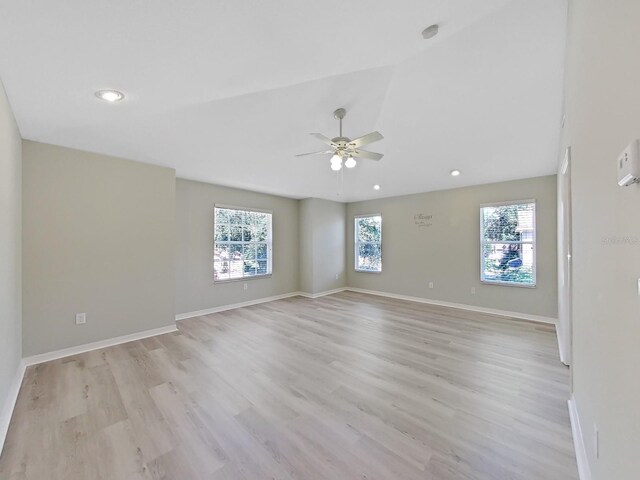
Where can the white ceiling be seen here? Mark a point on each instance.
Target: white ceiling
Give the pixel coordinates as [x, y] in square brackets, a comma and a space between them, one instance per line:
[226, 91]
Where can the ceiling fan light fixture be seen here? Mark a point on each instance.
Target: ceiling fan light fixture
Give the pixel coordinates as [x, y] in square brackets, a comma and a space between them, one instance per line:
[336, 163]
[344, 150]
[350, 163]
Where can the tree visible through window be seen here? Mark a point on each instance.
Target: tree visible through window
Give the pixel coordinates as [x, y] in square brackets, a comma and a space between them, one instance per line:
[508, 243]
[368, 243]
[242, 243]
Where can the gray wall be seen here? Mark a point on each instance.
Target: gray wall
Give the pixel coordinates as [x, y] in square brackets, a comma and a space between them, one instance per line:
[447, 253]
[98, 237]
[322, 245]
[602, 117]
[10, 246]
[119, 233]
[194, 285]
[305, 247]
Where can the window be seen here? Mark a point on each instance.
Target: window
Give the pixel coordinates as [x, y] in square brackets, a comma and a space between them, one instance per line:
[508, 243]
[368, 249]
[242, 243]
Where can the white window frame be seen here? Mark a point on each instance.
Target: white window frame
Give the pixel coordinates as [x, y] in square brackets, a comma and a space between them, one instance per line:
[532, 242]
[356, 242]
[269, 243]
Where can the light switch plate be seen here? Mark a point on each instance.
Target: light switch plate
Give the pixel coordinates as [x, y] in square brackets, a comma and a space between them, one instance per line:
[81, 318]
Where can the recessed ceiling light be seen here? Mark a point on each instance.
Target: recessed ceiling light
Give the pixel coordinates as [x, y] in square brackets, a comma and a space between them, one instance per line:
[430, 32]
[110, 95]
[376, 187]
[455, 173]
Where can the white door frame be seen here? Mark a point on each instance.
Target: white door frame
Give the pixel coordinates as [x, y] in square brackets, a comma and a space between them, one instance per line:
[565, 330]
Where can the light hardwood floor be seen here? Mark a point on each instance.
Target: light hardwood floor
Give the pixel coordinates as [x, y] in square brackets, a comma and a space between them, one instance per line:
[348, 386]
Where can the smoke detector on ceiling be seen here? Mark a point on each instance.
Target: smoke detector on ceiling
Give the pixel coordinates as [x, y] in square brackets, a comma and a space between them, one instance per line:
[430, 31]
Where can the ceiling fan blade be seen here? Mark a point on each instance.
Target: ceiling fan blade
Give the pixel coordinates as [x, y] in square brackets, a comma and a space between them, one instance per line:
[366, 139]
[323, 139]
[367, 155]
[314, 153]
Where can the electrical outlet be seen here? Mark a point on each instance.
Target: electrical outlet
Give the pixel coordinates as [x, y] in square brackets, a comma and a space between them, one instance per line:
[245, 286]
[337, 276]
[473, 290]
[430, 284]
[81, 318]
[629, 165]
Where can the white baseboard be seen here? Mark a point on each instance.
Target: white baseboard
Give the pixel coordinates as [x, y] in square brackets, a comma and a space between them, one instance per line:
[87, 347]
[473, 308]
[10, 403]
[462, 306]
[231, 306]
[322, 294]
[584, 471]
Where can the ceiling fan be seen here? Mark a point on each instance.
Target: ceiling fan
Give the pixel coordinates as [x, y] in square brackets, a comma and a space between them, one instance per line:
[344, 149]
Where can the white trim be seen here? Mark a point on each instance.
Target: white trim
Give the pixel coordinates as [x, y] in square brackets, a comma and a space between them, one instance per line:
[508, 202]
[244, 279]
[473, 308]
[560, 349]
[244, 209]
[87, 347]
[462, 306]
[10, 403]
[322, 294]
[584, 471]
[509, 284]
[565, 161]
[564, 268]
[222, 308]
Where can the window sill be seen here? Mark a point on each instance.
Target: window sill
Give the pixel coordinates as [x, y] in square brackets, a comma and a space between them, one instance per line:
[368, 271]
[243, 279]
[507, 284]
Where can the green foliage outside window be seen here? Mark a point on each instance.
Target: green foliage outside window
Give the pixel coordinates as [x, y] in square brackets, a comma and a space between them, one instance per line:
[508, 244]
[242, 243]
[368, 245]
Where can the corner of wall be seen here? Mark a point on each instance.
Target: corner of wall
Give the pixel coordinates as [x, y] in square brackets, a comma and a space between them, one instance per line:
[11, 367]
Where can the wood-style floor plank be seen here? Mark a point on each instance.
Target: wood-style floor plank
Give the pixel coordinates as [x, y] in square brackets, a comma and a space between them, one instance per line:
[347, 386]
